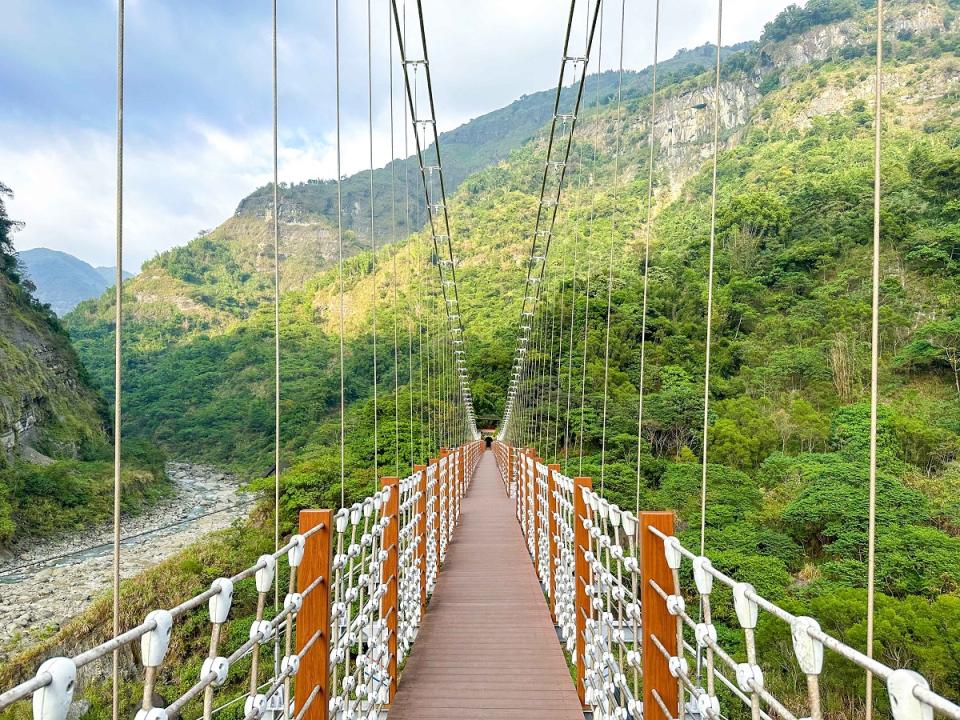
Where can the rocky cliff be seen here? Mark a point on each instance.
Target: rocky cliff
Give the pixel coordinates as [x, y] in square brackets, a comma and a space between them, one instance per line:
[47, 406]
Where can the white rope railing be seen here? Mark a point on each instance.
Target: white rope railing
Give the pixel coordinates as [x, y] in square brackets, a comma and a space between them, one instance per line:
[433, 527]
[612, 653]
[564, 573]
[359, 680]
[53, 686]
[410, 563]
[909, 692]
[384, 555]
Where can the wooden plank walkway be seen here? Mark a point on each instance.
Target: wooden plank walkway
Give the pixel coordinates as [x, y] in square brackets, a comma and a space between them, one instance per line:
[487, 648]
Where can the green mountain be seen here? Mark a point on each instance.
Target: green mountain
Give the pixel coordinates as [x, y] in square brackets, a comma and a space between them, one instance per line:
[221, 277]
[62, 280]
[475, 145]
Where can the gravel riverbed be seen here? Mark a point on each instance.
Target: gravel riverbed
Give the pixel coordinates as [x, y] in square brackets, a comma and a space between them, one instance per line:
[45, 594]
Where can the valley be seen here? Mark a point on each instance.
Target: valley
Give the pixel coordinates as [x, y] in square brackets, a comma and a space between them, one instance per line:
[788, 421]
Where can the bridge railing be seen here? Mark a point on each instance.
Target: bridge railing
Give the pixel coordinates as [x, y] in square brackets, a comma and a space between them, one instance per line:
[619, 595]
[360, 580]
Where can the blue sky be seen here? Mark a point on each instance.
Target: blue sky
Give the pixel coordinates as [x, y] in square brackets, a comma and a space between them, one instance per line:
[198, 93]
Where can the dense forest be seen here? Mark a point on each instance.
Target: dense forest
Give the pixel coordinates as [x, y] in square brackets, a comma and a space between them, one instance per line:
[789, 419]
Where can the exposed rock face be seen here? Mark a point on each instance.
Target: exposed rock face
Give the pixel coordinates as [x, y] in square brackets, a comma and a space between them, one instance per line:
[684, 126]
[816, 44]
[924, 19]
[42, 391]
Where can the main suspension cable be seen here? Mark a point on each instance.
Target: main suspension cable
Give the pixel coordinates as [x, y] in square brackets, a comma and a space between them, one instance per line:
[548, 206]
[437, 209]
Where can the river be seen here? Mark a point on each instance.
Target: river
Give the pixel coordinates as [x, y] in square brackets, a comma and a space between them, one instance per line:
[45, 583]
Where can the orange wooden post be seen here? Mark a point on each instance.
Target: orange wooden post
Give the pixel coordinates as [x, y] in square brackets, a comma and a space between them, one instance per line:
[436, 510]
[510, 461]
[444, 486]
[552, 534]
[581, 602]
[390, 575]
[462, 482]
[422, 533]
[315, 614]
[655, 619]
[534, 508]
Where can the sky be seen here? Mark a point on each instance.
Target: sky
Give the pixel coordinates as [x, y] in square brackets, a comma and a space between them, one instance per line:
[198, 97]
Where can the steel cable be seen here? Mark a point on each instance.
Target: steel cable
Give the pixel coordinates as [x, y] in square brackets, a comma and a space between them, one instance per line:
[874, 357]
[648, 230]
[396, 278]
[117, 366]
[613, 236]
[343, 426]
[373, 248]
[276, 325]
[710, 270]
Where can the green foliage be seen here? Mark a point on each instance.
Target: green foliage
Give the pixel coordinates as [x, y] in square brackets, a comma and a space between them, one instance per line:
[43, 500]
[795, 20]
[8, 256]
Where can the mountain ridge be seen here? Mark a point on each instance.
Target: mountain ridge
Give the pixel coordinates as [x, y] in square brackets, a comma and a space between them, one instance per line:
[62, 280]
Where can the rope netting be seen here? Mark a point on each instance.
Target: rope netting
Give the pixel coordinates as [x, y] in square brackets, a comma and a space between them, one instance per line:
[610, 579]
[383, 556]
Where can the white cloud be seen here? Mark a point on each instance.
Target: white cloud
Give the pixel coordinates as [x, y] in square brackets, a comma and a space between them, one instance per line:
[201, 140]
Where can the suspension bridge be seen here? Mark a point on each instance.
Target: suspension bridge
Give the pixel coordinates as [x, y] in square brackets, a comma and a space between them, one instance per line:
[486, 583]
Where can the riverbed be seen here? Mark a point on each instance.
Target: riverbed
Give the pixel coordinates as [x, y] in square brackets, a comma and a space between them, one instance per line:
[46, 583]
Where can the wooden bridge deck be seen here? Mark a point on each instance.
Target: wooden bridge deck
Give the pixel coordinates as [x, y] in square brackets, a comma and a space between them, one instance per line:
[487, 648]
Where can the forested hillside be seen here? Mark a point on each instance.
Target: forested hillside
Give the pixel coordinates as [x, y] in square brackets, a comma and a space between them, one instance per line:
[62, 280]
[788, 434]
[56, 468]
[222, 276]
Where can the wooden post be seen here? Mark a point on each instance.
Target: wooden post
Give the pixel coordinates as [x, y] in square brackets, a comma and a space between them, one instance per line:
[581, 602]
[315, 614]
[552, 534]
[510, 461]
[389, 574]
[655, 619]
[534, 507]
[436, 512]
[461, 481]
[422, 532]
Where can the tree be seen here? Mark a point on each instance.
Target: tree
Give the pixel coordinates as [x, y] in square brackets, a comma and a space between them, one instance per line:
[8, 256]
[673, 413]
[759, 213]
[935, 343]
